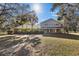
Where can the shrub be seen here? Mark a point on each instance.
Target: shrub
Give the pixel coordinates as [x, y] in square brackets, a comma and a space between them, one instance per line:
[28, 31]
[10, 32]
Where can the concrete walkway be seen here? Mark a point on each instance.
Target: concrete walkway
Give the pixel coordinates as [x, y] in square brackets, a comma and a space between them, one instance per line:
[6, 36]
[75, 33]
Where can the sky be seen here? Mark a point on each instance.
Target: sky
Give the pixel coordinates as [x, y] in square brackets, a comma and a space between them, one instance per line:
[43, 11]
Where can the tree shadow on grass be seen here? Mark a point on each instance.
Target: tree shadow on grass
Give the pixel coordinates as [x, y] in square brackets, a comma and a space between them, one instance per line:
[34, 41]
[63, 35]
[12, 43]
[8, 42]
[23, 50]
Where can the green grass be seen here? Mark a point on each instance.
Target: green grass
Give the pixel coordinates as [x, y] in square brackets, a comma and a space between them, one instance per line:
[53, 46]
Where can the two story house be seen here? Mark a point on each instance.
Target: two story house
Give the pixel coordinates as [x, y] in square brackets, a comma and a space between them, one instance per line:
[51, 26]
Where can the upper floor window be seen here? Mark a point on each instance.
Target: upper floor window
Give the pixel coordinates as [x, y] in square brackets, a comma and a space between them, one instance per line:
[45, 24]
[56, 24]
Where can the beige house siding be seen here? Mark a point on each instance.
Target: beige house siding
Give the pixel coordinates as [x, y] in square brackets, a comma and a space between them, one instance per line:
[25, 26]
[50, 26]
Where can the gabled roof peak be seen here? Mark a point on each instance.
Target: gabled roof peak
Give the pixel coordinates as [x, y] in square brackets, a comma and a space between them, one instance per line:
[48, 20]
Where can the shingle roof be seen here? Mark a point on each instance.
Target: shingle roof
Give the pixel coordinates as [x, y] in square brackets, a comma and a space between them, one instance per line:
[49, 20]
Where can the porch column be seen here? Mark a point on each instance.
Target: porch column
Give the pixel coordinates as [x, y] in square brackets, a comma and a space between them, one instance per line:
[55, 30]
[48, 30]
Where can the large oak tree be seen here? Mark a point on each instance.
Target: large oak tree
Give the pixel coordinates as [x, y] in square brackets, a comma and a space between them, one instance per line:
[69, 13]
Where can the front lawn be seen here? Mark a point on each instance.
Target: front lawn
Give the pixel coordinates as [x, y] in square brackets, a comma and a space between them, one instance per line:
[54, 46]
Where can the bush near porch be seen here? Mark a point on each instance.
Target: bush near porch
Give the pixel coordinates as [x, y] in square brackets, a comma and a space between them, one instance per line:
[28, 31]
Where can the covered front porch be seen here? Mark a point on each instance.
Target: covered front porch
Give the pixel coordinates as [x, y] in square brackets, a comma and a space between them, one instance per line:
[52, 30]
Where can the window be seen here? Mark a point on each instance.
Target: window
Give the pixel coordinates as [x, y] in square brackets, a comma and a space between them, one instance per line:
[46, 24]
[57, 24]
